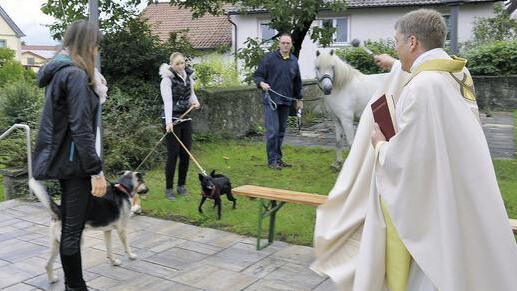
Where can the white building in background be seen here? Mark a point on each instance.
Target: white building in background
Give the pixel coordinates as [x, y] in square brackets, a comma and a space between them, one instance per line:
[10, 34]
[363, 20]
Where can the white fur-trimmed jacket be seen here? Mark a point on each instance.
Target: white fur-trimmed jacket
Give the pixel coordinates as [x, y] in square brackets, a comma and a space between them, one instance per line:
[166, 91]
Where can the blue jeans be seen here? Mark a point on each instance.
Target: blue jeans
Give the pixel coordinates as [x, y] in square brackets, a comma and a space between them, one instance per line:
[276, 124]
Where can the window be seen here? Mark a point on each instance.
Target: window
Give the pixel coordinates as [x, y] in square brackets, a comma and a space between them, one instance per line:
[30, 61]
[447, 19]
[341, 26]
[3, 43]
[266, 32]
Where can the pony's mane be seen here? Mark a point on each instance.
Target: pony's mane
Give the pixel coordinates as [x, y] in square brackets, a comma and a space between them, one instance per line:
[343, 72]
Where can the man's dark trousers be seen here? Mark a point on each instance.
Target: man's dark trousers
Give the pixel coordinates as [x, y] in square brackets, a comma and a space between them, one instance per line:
[276, 124]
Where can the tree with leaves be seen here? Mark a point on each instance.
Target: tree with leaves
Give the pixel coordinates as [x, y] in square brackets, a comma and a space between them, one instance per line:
[287, 16]
[291, 16]
[487, 30]
[113, 13]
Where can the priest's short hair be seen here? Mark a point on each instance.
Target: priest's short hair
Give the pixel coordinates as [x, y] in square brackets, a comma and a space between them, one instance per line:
[427, 25]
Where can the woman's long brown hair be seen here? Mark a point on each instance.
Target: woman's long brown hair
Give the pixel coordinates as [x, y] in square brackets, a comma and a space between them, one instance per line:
[81, 39]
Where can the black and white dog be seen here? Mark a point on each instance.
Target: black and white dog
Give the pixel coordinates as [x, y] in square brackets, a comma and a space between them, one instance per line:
[112, 211]
[213, 187]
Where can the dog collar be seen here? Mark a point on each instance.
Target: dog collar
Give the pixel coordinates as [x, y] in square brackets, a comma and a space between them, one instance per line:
[123, 188]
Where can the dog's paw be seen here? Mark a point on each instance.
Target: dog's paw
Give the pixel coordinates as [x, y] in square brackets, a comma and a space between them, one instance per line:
[132, 256]
[53, 279]
[136, 209]
[115, 262]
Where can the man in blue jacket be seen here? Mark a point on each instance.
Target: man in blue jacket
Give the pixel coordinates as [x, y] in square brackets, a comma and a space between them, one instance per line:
[278, 75]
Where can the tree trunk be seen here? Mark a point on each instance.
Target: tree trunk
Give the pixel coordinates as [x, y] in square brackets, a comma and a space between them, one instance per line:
[298, 35]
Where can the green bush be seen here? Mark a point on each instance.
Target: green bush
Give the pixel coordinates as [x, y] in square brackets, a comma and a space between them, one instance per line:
[20, 102]
[252, 54]
[11, 70]
[361, 60]
[497, 58]
[135, 52]
[132, 126]
[215, 72]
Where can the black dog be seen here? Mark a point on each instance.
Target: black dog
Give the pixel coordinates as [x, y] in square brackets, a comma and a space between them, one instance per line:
[213, 187]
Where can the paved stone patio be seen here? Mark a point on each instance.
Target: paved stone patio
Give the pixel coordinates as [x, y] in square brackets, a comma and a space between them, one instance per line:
[172, 256]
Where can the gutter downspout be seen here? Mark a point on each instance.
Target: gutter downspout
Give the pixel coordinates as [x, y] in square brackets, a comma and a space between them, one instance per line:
[234, 39]
[455, 11]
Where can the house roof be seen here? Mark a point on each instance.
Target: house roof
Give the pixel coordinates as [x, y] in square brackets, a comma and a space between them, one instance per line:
[206, 32]
[44, 51]
[34, 54]
[387, 3]
[378, 3]
[10, 22]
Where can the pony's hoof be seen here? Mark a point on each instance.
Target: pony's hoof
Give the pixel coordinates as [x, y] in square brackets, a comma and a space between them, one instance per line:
[132, 256]
[337, 165]
[115, 262]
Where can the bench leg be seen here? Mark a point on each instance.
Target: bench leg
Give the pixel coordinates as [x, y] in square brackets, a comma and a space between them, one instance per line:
[267, 209]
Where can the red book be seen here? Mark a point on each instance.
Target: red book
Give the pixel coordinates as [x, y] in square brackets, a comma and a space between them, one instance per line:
[381, 115]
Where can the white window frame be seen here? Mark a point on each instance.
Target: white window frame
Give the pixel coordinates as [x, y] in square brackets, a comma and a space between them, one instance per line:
[29, 59]
[260, 23]
[334, 23]
[4, 42]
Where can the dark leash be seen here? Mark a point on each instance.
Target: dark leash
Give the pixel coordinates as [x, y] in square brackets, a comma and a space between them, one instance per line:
[175, 122]
[272, 103]
[274, 106]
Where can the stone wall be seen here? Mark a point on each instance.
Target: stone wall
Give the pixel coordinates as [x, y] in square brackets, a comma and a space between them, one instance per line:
[496, 92]
[236, 111]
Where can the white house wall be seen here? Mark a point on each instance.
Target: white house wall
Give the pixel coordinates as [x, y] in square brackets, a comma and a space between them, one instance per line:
[364, 24]
[467, 17]
[9, 36]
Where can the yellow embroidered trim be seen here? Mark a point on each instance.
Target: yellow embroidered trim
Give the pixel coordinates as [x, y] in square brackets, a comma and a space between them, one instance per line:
[456, 65]
[398, 258]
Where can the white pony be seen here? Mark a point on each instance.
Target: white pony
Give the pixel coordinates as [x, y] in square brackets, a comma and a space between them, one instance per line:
[347, 91]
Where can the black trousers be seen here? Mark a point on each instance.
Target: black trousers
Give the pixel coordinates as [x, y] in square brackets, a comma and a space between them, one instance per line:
[174, 150]
[76, 195]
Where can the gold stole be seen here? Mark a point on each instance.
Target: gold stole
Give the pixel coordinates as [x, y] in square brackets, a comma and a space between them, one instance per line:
[398, 259]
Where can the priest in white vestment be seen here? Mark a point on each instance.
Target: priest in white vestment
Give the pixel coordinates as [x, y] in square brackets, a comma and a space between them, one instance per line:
[422, 211]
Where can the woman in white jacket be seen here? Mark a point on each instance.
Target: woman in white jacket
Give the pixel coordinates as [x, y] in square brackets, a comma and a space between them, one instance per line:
[177, 90]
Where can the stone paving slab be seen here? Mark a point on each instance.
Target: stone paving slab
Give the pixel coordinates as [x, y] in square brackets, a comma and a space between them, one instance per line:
[498, 128]
[171, 256]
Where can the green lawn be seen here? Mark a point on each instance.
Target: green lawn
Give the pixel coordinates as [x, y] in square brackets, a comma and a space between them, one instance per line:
[244, 163]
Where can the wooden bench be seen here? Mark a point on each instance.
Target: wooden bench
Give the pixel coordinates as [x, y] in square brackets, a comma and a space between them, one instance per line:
[271, 200]
[513, 223]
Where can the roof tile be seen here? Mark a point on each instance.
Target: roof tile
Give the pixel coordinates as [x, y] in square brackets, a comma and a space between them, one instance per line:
[205, 32]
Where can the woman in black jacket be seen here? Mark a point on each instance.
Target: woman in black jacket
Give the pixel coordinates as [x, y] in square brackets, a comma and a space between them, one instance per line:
[65, 147]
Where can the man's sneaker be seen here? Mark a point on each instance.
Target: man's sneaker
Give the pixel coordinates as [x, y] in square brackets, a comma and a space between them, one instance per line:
[275, 166]
[182, 190]
[169, 195]
[284, 164]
